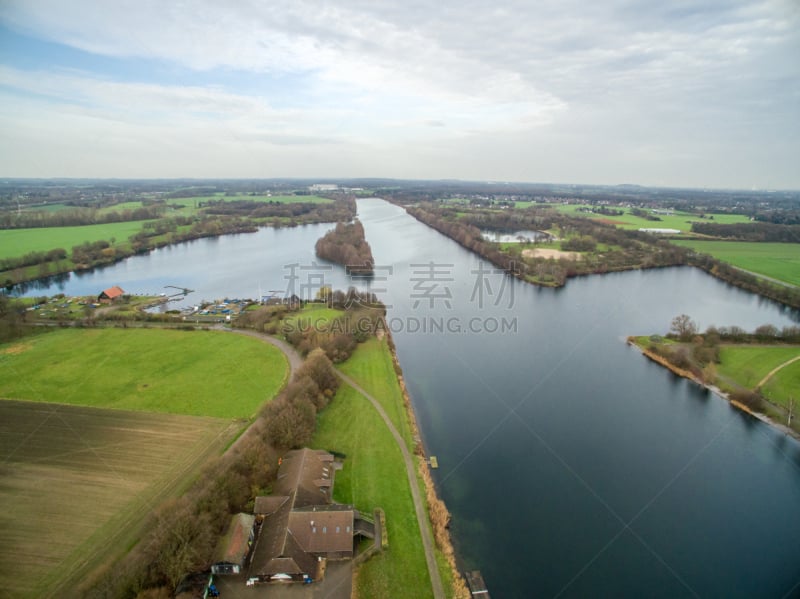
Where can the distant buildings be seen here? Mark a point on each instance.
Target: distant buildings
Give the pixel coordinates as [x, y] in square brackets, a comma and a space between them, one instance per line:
[317, 187]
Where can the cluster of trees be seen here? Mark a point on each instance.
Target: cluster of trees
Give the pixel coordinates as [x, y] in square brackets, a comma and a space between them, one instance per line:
[347, 245]
[583, 243]
[10, 219]
[90, 254]
[342, 210]
[761, 231]
[291, 418]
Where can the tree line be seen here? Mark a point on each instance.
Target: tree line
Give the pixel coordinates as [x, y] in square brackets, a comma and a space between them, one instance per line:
[761, 231]
[347, 245]
[10, 219]
[342, 209]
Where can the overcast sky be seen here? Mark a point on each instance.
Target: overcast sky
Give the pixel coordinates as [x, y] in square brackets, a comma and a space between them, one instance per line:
[701, 93]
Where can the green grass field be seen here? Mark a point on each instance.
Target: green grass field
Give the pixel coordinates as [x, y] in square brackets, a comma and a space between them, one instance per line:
[746, 365]
[312, 314]
[374, 474]
[680, 220]
[18, 242]
[371, 367]
[122, 206]
[777, 260]
[784, 385]
[198, 373]
[78, 484]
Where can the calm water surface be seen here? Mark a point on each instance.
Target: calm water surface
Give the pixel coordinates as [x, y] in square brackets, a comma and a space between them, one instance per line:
[572, 465]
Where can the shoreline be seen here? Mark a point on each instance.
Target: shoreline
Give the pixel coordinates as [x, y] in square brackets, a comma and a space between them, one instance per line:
[438, 514]
[713, 388]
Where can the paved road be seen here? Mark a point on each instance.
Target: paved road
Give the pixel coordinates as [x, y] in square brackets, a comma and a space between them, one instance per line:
[419, 506]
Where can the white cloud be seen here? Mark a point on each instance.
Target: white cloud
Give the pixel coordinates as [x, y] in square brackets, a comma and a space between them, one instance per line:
[639, 82]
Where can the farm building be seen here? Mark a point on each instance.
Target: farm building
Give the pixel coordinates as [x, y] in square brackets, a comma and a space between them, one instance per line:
[233, 548]
[111, 294]
[300, 525]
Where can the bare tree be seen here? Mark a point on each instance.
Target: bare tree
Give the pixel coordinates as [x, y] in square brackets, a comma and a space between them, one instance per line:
[683, 327]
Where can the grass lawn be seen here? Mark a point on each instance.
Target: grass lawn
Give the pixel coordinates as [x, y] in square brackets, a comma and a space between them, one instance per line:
[198, 373]
[78, 484]
[371, 367]
[746, 365]
[785, 385]
[680, 220]
[121, 207]
[777, 260]
[312, 314]
[18, 242]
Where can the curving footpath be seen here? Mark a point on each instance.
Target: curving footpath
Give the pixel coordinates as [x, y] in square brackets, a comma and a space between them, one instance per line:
[419, 506]
[772, 372]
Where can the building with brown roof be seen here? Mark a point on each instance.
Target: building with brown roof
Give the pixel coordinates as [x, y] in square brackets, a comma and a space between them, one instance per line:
[234, 547]
[111, 294]
[300, 526]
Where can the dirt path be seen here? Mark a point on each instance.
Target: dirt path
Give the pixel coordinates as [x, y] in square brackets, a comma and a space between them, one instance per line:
[419, 506]
[763, 381]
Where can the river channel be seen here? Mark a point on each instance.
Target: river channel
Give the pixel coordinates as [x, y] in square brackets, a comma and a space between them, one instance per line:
[573, 466]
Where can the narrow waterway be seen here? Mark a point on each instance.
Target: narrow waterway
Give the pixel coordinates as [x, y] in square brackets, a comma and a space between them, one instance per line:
[572, 465]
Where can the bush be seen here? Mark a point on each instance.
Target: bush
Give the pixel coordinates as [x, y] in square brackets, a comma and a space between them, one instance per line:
[751, 399]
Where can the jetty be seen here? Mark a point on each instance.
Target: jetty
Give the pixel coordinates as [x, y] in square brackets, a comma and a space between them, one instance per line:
[477, 587]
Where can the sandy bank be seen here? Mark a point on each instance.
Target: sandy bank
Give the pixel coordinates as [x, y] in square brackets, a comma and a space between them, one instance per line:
[545, 253]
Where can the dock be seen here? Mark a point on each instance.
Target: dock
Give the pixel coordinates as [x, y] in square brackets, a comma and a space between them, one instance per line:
[434, 463]
[477, 587]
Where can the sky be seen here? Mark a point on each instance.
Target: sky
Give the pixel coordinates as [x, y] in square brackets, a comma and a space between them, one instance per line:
[678, 93]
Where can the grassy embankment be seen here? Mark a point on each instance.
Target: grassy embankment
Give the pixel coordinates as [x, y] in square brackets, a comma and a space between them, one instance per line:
[742, 368]
[777, 260]
[374, 474]
[80, 481]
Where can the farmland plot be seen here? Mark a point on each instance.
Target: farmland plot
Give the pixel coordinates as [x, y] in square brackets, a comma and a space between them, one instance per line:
[76, 484]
